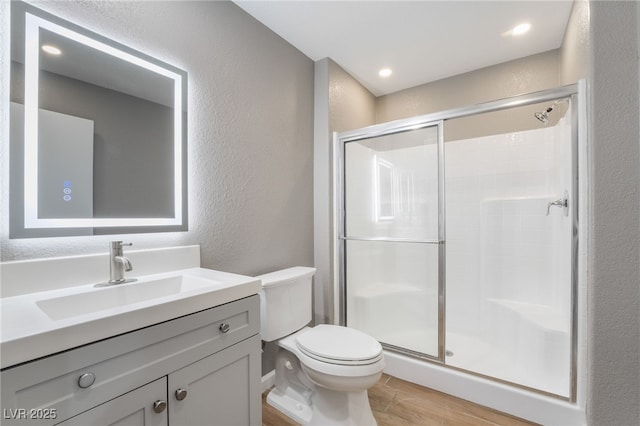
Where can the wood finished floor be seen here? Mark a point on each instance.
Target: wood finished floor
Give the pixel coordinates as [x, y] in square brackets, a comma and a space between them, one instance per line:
[395, 402]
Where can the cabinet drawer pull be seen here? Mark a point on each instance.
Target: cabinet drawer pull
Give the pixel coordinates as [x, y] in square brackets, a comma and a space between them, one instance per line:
[224, 327]
[181, 394]
[159, 406]
[86, 380]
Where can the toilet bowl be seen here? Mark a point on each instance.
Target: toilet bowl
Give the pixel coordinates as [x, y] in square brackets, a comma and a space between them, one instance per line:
[322, 373]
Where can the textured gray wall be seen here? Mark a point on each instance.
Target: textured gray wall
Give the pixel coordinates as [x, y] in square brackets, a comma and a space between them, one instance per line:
[574, 52]
[350, 105]
[614, 258]
[250, 132]
[525, 75]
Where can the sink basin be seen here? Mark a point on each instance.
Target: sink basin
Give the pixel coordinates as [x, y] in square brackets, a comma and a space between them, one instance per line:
[121, 295]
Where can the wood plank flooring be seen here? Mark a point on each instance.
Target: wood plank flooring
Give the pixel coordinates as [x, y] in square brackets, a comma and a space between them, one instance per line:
[395, 402]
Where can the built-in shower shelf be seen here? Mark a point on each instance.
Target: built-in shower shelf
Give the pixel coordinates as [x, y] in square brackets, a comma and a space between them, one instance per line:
[543, 316]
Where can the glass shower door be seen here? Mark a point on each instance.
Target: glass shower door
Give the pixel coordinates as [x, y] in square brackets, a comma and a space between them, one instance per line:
[391, 236]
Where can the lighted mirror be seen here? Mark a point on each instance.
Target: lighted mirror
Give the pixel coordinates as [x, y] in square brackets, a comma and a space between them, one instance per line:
[98, 133]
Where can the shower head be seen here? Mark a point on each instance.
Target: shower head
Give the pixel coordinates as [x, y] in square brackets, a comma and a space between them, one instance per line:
[544, 115]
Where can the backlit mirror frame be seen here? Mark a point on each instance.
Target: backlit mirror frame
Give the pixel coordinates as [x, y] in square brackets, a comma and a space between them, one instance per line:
[36, 19]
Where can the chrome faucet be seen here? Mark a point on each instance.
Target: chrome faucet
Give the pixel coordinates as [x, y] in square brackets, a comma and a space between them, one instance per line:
[118, 264]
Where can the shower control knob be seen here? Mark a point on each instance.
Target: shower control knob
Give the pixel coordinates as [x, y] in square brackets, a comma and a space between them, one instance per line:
[181, 394]
[159, 406]
[562, 202]
[224, 327]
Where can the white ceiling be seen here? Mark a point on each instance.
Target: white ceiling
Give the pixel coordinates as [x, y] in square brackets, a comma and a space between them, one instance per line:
[421, 41]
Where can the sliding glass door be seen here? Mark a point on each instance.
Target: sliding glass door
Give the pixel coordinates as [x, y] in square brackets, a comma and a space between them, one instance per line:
[392, 237]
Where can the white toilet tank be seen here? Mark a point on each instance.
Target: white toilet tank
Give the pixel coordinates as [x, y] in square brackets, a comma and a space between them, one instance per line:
[285, 301]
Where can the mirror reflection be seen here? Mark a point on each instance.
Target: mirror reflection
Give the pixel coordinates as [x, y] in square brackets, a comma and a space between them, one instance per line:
[98, 133]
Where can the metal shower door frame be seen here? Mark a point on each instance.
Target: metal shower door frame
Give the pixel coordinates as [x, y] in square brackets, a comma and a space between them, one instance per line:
[402, 126]
[574, 92]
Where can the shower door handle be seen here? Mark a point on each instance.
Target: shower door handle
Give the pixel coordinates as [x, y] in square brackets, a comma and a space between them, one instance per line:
[562, 202]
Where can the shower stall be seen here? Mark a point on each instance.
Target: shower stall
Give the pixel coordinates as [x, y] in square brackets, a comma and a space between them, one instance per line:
[457, 239]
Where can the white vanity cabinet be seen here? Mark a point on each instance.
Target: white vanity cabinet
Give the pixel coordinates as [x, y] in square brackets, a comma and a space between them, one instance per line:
[213, 392]
[199, 369]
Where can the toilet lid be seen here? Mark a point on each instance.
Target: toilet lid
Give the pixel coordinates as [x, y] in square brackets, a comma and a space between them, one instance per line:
[340, 345]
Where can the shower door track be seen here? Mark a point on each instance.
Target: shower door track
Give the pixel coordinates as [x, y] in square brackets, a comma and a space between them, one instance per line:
[575, 92]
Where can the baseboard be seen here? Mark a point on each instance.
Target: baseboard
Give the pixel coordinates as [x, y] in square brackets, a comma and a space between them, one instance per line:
[268, 380]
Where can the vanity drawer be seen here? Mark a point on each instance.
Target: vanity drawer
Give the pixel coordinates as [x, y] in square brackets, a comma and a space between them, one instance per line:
[74, 381]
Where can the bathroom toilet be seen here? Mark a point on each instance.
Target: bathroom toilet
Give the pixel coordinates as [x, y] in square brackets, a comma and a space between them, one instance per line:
[322, 372]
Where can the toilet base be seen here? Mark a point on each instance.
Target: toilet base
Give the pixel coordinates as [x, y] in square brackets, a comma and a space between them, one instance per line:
[297, 410]
[327, 408]
[341, 408]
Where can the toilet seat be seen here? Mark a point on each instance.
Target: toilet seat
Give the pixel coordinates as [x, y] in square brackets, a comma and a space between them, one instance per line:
[339, 345]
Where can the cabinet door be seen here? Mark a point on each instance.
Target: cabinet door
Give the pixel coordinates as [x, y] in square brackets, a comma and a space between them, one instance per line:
[135, 408]
[221, 389]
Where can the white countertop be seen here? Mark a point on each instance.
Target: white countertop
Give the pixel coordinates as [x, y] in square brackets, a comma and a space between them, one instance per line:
[28, 332]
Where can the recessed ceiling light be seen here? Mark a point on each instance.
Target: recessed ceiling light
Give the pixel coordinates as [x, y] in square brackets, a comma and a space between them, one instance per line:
[385, 72]
[520, 29]
[51, 49]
